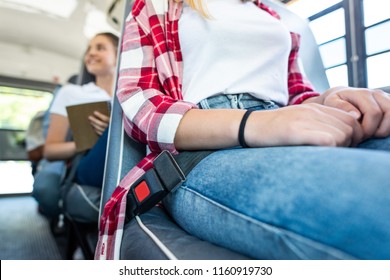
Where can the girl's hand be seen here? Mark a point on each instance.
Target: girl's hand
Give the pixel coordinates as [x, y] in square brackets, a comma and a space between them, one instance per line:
[370, 107]
[306, 124]
[99, 122]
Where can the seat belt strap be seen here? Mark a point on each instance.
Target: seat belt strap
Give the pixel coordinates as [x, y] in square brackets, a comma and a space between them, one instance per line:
[168, 173]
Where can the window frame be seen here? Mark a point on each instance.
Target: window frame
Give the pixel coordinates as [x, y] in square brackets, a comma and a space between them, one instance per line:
[355, 38]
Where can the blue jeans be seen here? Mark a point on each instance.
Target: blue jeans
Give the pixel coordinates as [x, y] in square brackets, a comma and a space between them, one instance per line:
[47, 186]
[300, 202]
[90, 170]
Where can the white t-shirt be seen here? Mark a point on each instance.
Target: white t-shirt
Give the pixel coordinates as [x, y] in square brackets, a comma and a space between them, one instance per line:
[241, 49]
[74, 95]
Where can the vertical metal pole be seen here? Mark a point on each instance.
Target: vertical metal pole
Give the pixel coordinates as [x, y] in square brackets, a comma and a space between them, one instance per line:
[357, 53]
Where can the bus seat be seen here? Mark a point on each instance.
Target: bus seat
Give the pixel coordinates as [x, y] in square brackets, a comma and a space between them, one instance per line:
[85, 77]
[79, 234]
[309, 54]
[154, 235]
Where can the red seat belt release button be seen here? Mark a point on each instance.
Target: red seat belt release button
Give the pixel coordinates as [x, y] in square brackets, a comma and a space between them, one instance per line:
[154, 185]
[142, 191]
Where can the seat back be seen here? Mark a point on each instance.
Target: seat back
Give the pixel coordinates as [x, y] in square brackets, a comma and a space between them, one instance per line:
[309, 54]
[122, 153]
[84, 77]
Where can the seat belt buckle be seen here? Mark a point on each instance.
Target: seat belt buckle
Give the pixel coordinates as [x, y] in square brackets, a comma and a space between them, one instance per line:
[154, 185]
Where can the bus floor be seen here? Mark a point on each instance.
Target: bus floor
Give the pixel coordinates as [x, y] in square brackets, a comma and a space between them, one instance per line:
[25, 234]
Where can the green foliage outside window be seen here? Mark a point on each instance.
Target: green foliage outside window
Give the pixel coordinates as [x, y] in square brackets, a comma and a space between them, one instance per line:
[18, 106]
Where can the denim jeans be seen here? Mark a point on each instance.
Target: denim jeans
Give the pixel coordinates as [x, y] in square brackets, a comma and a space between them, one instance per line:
[297, 202]
[90, 170]
[47, 186]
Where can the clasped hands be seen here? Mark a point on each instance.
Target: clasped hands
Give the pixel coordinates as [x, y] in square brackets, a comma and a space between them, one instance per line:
[370, 109]
[341, 116]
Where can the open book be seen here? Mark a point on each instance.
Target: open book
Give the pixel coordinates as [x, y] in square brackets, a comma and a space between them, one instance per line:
[83, 133]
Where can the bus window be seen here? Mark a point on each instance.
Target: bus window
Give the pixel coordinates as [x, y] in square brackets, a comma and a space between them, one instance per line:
[350, 35]
[376, 24]
[308, 8]
[378, 68]
[17, 106]
[374, 11]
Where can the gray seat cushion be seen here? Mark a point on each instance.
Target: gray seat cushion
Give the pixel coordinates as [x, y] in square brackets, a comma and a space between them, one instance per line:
[155, 236]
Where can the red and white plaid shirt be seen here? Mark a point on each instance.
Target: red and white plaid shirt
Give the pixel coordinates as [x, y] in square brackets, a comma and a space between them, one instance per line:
[150, 93]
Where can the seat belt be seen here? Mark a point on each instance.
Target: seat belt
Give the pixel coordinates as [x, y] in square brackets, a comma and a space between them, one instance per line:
[168, 173]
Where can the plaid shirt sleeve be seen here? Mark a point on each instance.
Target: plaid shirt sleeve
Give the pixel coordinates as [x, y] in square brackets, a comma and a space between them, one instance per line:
[114, 213]
[148, 82]
[150, 97]
[299, 88]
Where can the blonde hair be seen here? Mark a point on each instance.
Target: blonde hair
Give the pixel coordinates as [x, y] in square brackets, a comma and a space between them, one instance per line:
[198, 5]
